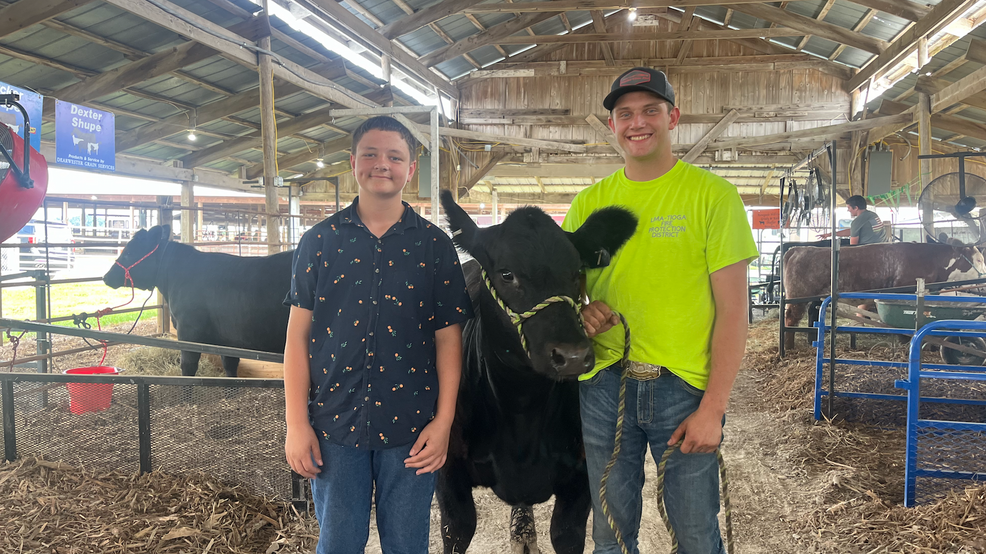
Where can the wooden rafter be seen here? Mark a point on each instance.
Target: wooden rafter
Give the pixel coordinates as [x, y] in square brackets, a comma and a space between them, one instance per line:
[680, 35]
[490, 36]
[863, 22]
[335, 14]
[22, 15]
[425, 16]
[811, 26]
[208, 33]
[478, 175]
[587, 5]
[818, 133]
[599, 24]
[605, 132]
[904, 9]
[820, 17]
[686, 45]
[303, 155]
[937, 19]
[713, 134]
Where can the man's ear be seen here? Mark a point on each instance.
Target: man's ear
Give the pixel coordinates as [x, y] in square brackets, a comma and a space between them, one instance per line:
[465, 232]
[602, 234]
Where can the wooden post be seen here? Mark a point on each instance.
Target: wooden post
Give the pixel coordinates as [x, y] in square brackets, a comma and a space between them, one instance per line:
[268, 132]
[924, 136]
[385, 70]
[187, 216]
[165, 217]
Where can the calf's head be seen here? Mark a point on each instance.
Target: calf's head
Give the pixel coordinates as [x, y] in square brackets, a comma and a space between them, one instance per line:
[533, 271]
[141, 258]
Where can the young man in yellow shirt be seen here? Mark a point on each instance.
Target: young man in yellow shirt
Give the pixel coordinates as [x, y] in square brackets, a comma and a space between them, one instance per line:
[681, 284]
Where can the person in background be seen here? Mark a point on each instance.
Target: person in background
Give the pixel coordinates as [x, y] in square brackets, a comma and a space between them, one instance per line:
[866, 227]
[373, 355]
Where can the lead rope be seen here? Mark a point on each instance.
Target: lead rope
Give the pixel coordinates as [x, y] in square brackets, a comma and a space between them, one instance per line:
[661, 466]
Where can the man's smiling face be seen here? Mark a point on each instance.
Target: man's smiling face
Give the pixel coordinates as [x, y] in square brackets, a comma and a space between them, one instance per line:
[642, 122]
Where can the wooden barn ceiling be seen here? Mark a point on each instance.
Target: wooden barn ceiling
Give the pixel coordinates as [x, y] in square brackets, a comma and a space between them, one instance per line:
[164, 66]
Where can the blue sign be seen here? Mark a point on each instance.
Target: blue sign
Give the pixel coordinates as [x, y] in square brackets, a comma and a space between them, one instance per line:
[33, 104]
[84, 137]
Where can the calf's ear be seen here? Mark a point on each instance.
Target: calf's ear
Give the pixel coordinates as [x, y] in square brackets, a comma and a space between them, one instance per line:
[602, 234]
[464, 229]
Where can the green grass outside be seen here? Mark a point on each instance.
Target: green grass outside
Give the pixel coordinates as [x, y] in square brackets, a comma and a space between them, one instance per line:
[74, 298]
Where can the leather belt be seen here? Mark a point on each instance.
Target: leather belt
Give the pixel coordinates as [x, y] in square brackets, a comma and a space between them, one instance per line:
[644, 372]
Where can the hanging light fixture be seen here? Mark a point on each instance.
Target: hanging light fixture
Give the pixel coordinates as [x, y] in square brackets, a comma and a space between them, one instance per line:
[191, 126]
[632, 15]
[319, 163]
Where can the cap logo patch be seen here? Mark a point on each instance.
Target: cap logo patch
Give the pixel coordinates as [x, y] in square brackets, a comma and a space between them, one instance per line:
[635, 78]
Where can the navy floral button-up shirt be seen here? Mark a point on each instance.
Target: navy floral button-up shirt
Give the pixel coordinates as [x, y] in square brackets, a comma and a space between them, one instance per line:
[376, 304]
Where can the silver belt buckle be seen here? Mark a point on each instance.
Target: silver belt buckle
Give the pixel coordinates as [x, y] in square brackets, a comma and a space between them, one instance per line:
[644, 372]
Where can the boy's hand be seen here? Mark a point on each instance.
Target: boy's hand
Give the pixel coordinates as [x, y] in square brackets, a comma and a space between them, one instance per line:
[302, 451]
[431, 449]
[598, 318]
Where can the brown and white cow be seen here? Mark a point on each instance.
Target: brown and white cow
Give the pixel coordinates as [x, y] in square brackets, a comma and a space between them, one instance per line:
[873, 266]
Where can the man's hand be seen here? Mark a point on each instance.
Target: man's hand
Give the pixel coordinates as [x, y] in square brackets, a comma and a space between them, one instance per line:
[702, 431]
[302, 451]
[598, 318]
[431, 449]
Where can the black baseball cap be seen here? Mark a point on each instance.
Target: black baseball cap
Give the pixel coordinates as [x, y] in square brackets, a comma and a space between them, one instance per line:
[640, 78]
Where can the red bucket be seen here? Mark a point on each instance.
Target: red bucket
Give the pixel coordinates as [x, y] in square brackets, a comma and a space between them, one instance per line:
[90, 397]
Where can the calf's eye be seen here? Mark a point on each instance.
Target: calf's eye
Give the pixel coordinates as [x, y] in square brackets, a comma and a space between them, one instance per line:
[507, 276]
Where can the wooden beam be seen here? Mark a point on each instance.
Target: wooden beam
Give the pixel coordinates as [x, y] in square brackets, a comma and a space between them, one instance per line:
[303, 155]
[478, 175]
[937, 19]
[605, 132]
[504, 139]
[819, 133]
[820, 17]
[653, 37]
[130, 166]
[425, 16]
[713, 134]
[23, 14]
[204, 114]
[810, 26]
[863, 22]
[904, 9]
[588, 5]
[686, 45]
[958, 91]
[599, 25]
[336, 15]
[205, 32]
[489, 36]
[80, 72]
[251, 140]
[162, 63]
[959, 126]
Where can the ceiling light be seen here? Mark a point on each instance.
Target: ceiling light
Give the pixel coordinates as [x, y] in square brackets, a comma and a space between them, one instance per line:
[319, 163]
[191, 135]
[632, 16]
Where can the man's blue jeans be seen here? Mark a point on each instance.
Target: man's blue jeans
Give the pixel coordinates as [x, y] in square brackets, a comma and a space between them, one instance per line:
[653, 411]
[343, 492]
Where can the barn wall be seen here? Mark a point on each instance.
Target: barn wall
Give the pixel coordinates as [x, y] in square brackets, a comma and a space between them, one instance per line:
[699, 92]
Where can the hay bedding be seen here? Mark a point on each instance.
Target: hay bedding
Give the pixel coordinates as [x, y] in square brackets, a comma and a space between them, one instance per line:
[854, 472]
[57, 508]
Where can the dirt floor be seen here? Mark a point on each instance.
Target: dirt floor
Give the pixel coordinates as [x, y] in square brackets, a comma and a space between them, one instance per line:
[796, 485]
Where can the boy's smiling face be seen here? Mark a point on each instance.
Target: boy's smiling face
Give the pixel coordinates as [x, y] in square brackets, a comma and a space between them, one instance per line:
[382, 163]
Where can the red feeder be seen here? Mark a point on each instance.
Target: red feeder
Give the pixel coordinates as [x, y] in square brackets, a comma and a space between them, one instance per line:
[90, 397]
[23, 176]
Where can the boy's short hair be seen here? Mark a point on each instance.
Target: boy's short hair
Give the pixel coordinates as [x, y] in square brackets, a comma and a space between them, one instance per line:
[856, 201]
[385, 123]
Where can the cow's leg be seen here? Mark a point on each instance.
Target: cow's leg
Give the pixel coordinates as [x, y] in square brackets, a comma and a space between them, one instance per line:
[189, 363]
[570, 515]
[814, 309]
[792, 316]
[229, 365]
[523, 534]
[453, 489]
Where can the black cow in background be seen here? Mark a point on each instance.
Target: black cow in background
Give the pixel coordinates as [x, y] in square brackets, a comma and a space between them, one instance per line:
[214, 298]
[517, 428]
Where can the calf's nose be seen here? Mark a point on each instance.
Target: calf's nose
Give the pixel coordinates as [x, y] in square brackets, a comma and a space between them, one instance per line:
[571, 359]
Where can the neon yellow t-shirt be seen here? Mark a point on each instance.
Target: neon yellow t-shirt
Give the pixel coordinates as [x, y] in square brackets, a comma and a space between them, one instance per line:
[691, 224]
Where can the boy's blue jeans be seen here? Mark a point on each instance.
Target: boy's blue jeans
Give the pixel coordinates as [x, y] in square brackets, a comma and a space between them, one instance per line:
[344, 490]
[653, 411]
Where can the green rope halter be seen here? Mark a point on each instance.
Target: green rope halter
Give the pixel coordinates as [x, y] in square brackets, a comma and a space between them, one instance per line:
[518, 318]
